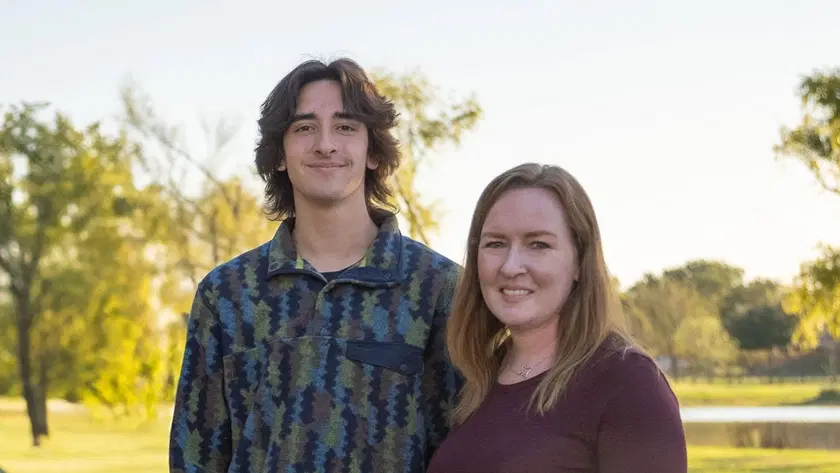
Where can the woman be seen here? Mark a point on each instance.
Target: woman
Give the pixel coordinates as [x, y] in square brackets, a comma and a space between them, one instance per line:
[552, 381]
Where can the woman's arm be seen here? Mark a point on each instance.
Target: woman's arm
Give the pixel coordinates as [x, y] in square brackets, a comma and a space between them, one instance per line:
[641, 430]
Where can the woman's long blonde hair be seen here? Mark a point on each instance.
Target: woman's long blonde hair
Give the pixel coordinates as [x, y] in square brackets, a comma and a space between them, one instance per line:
[477, 342]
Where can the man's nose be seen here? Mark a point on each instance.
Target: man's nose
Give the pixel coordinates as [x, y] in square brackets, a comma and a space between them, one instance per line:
[325, 143]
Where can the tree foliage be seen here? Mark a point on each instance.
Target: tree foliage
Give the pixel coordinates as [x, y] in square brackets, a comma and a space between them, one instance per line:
[702, 340]
[753, 315]
[73, 257]
[762, 327]
[815, 142]
[816, 298]
[713, 280]
[672, 319]
[212, 217]
[427, 125]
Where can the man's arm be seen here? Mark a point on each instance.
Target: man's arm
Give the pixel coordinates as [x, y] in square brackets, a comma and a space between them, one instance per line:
[641, 430]
[200, 439]
[441, 381]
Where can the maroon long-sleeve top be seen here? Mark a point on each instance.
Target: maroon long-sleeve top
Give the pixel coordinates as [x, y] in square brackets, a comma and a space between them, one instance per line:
[619, 415]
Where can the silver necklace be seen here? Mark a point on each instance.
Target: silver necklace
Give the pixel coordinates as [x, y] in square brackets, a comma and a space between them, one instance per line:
[525, 371]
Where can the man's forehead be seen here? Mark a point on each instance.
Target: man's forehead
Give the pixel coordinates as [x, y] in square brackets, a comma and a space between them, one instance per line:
[322, 101]
[326, 92]
[319, 108]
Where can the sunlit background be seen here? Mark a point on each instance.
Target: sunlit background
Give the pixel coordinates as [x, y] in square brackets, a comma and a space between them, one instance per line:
[671, 114]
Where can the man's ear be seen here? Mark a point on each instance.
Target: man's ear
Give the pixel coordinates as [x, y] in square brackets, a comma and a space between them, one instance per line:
[281, 162]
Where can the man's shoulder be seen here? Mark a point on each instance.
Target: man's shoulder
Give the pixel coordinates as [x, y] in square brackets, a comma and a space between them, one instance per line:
[431, 269]
[249, 264]
[424, 256]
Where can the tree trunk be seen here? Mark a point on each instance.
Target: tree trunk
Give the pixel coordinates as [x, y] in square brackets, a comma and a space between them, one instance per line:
[675, 367]
[41, 395]
[25, 365]
[34, 394]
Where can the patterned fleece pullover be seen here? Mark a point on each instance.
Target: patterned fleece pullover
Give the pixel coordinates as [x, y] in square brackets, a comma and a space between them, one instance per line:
[287, 372]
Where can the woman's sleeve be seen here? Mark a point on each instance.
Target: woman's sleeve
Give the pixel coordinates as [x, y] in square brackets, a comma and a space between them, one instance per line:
[641, 430]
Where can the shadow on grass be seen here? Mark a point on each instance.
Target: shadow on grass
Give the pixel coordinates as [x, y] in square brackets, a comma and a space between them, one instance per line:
[826, 397]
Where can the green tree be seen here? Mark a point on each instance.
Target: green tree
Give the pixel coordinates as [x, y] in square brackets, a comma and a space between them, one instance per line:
[816, 298]
[664, 312]
[8, 367]
[702, 340]
[67, 209]
[762, 327]
[211, 217]
[815, 142]
[756, 293]
[428, 124]
[207, 211]
[753, 315]
[713, 280]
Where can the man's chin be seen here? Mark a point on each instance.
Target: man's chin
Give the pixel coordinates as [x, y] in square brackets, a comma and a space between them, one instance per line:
[325, 198]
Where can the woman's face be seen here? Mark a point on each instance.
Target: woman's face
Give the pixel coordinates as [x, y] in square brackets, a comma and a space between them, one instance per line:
[527, 260]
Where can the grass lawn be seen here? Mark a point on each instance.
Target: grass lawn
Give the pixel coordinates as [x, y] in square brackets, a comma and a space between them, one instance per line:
[732, 460]
[79, 444]
[719, 394]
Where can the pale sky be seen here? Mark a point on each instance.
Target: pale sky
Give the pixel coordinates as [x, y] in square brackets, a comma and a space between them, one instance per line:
[666, 111]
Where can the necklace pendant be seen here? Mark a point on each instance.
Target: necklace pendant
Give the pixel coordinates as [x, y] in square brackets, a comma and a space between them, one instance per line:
[525, 372]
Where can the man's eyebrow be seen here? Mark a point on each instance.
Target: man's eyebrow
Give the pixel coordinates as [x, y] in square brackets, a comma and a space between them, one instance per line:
[346, 115]
[311, 116]
[302, 116]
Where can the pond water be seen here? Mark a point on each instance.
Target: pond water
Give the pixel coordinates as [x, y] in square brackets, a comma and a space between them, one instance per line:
[815, 427]
[819, 414]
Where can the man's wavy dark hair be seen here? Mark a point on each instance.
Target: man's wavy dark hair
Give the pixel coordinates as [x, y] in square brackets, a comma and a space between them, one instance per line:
[360, 98]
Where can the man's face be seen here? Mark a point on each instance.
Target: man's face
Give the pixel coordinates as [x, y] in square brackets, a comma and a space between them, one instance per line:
[326, 149]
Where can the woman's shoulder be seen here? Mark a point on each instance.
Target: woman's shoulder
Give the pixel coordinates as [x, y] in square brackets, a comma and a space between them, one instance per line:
[629, 377]
[620, 361]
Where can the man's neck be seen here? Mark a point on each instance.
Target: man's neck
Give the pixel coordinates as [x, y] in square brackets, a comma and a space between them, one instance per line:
[333, 238]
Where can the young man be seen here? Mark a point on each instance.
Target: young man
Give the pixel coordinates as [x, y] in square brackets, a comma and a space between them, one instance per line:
[321, 350]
